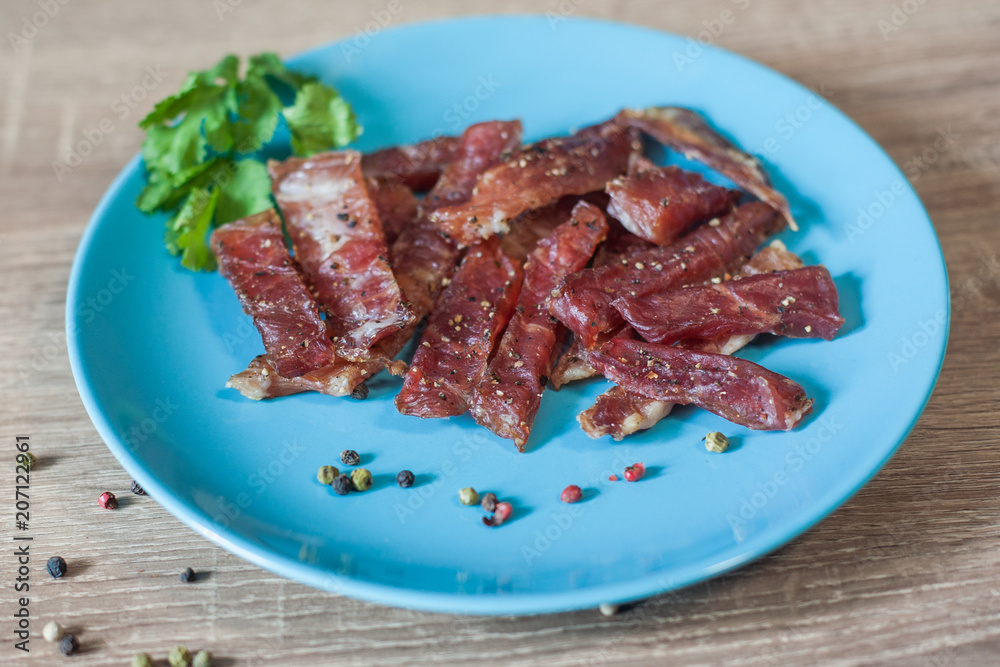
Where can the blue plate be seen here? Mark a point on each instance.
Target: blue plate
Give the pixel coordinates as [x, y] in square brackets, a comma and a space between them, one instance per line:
[152, 345]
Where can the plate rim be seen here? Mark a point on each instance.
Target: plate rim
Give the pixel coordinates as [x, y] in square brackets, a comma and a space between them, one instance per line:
[499, 604]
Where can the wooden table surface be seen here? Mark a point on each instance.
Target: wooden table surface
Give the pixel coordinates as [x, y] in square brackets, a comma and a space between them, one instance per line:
[906, 573]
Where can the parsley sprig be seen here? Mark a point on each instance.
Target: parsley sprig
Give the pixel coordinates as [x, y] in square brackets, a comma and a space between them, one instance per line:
[201, 143]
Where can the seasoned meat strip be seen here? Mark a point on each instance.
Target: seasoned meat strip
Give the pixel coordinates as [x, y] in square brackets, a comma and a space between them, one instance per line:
[536, 176]
[338, 240]
[253, 258]
[798, 304]
[662, 203]
[689, 133]
[461, 332]
[507, 399]
[733, 388]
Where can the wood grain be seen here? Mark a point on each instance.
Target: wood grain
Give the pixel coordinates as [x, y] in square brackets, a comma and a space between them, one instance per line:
[907, 573]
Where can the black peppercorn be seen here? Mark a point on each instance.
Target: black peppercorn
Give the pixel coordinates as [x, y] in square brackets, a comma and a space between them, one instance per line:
[188, 575]
[68, 645]
[489, 502]
[56, 567]
[405, 479]
[136, 489]
[350, 457]
[360, 392]
[342, 485]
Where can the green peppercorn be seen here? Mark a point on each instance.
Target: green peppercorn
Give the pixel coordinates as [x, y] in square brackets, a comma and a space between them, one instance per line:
[179, 656]
[468, 496]
[202, 659]
[28, 460]
[327, 474]
[361, 479]
[142, 660]
[716, 442]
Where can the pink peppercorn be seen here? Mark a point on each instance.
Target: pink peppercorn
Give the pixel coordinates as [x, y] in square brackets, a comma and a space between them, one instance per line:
[571, 494]
[108, 501]
[613, 478]
[501, 514]
[634, 472]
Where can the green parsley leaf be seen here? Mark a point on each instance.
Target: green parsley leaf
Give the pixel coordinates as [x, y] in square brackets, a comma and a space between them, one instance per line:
[200, 145]
[187, 233]
[247, 191]
[320, 118]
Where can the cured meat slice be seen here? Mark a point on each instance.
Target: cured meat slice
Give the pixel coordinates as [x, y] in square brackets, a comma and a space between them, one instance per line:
[422, 260]
[532, 226]
[618, 412]
[536, 176]
[689, 133]
[584, 302]
[662, 203]
[253, 258]
[338, 240]
[461, 333]
[507, 399]
[418, 166]
[797, 304]
[396, 204]
[733, 388]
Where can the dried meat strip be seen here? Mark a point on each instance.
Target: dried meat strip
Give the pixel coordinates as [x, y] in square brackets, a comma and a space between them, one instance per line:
[712, 250]
[618, 412]
[461, 333]
[253, 258]
[261, 380]
[536, 176]
[689, 133]
[396, 204]
[797, 304]
[338, 240]
[507, 399]
[418, 165]
[662, 203]
[735, 389]
[572, 366]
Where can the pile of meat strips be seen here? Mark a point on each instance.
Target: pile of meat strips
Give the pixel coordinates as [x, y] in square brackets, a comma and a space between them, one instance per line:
[651, 270]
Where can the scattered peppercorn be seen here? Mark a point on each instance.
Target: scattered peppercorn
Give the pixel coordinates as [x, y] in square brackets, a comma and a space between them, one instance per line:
[137, 490]
[716, 442]
[361, 479]
[29, 460]
[405, 479]
[468, 496]
[608, 609]
[360, 392]
[188, 575]
[571, 494]
[327, 474]
[342, 485]
[179, 657]
[56, 566]
[202, 659]
[350, 457]
[108, 501]
[52, 632]
[489, 502]
[635, 472]
[142, 660]
[613, 478]
[502, 513]
[68, 645]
